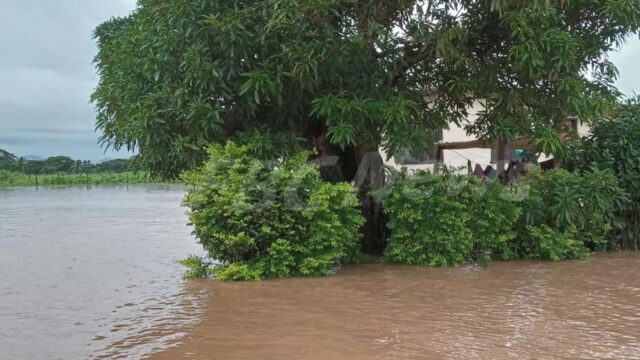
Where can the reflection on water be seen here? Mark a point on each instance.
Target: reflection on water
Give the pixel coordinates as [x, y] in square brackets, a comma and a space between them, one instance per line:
[515, 310]
[91, 271]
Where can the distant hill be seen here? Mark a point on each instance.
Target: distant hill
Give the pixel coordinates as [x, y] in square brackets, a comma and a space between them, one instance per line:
[33, 158]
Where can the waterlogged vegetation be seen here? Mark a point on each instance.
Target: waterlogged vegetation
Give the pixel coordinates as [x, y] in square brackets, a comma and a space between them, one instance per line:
[448, 220]
[9, 178]
[614, 145]
[444, 220]
[198, 267]
[348, 78]
[263, 220]
[577, 209]
[433, 220]
[590, 204]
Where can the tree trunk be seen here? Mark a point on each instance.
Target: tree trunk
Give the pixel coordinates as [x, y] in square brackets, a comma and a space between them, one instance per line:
[369, 179]
[363, 165]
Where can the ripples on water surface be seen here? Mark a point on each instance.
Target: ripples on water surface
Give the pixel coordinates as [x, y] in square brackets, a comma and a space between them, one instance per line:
[90, 273]
[515, 310]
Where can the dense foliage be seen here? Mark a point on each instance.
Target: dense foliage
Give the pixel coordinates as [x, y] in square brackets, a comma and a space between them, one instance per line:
[197, 267]
[566, 214]
[176, 76]
[443, 220]
[550, 244]
[264, 220]
[448, 220]
[348, 78]
[614, 145]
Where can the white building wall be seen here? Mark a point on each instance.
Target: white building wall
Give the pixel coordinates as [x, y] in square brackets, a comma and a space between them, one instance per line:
[459, 158]
[455, 158]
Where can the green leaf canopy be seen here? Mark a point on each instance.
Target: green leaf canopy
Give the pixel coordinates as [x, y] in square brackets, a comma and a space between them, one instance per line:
[178, 75]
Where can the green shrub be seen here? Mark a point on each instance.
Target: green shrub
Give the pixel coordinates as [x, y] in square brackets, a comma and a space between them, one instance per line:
[576, 205]
[264, 221]
[550, 244]
[495, 210]
[614, 145]
[239, 272]
[197, 267]
[447, 220]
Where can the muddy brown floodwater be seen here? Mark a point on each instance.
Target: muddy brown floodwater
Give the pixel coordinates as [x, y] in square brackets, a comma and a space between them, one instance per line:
[90, 273]
[515, 310]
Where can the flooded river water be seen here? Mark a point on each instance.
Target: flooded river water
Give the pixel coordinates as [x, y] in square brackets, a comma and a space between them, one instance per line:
[91, 271]
[91, 274]
[516, 310]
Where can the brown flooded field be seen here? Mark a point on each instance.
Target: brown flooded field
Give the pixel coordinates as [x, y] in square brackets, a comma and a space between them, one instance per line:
[515, 310]
[91, 274]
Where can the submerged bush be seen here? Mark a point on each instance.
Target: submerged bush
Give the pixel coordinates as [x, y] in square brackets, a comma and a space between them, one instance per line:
[614, 145]
[447, 220]
[495, 210]
[550, 244]
[270, 220]
[568, 206]
[197, 267]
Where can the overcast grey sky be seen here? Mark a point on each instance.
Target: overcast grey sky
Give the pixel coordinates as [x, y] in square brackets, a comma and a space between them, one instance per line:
[46, 75]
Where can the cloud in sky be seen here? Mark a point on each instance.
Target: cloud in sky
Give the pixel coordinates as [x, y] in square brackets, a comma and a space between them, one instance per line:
[46, 75]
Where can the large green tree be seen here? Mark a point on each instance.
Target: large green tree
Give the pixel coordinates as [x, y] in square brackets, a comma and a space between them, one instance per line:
[58, 164]
[348, 77]
[176, 75]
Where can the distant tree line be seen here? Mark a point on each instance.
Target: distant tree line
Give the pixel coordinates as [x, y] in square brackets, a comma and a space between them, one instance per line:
[63, 164]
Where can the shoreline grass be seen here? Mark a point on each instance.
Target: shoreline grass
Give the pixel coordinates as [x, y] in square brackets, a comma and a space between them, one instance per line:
[9, 178]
